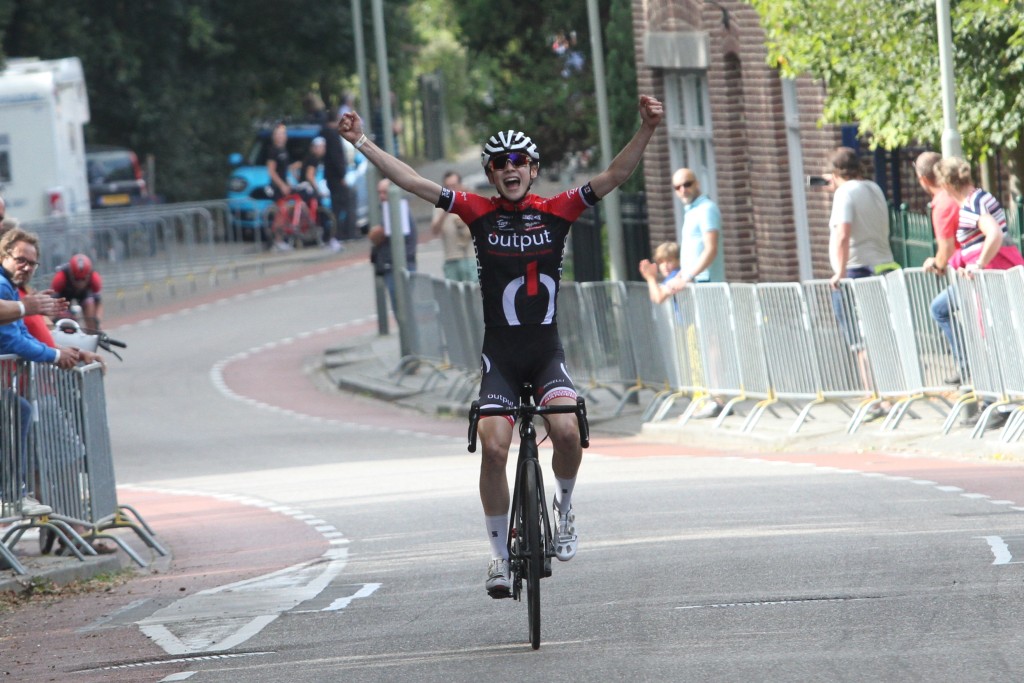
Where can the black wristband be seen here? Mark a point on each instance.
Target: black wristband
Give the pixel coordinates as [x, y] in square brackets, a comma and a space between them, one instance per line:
[446, 200]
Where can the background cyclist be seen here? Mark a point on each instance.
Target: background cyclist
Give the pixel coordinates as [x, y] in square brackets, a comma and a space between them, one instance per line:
[78, 283]
[519, 240]
[278, 163]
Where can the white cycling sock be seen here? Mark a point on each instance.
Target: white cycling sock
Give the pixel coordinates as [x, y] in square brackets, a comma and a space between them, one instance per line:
[497, 534]
[563, 493]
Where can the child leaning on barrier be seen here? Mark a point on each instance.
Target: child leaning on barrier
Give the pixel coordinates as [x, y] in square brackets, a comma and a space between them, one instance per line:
[660, 273]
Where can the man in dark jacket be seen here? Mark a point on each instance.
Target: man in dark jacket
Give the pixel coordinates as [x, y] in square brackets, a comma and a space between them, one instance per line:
[335, 165]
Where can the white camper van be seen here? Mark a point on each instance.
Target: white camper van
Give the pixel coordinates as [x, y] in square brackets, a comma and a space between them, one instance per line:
[43, 108]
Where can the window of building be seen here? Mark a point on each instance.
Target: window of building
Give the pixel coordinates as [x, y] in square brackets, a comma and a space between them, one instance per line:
[688, 115]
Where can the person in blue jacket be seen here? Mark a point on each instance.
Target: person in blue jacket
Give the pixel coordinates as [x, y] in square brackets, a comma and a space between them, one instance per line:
[19, 257]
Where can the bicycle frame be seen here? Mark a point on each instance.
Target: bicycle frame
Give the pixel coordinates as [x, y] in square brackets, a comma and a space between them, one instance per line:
[527, 535]
[528, 458]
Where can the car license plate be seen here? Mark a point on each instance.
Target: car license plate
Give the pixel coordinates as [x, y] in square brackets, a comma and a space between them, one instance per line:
[115, 200]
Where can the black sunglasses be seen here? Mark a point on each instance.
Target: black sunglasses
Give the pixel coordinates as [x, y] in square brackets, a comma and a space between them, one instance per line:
[500, 161]
[688, 184]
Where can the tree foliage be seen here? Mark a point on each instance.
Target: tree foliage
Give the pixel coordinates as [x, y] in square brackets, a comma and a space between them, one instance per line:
[186, 80]
[521, 82]
[880, 64]
[620, 68]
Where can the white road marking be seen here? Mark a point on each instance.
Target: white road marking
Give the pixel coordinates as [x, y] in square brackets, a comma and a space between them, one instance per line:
[1000, 550]
[221, 618]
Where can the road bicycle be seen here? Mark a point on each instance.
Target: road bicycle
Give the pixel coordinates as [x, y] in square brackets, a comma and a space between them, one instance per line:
[292, 220]
[530, 544]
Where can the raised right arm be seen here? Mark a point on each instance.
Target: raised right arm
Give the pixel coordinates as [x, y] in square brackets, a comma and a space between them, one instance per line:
[397, 171]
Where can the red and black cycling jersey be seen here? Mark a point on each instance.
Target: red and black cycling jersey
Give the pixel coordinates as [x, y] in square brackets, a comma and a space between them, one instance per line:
[519, 250]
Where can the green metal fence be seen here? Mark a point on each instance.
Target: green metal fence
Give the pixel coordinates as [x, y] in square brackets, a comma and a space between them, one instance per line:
[912, 238]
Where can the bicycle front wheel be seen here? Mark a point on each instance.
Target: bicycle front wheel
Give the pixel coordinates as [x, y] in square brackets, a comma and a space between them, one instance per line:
[534, 560]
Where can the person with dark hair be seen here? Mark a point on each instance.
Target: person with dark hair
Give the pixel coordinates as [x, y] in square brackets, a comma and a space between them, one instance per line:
[278, 161]
[859, 224]
[456, 240]
[380, 241]
[858, 247]
[519, 240]
[335, 165]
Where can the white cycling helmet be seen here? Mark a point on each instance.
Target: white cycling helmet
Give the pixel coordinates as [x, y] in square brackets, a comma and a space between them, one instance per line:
[508, 141]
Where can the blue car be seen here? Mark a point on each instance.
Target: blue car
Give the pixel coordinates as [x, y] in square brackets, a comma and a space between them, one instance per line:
[247, 194]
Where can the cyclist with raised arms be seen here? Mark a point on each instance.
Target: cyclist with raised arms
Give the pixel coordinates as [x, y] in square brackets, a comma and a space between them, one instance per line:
[519, 240]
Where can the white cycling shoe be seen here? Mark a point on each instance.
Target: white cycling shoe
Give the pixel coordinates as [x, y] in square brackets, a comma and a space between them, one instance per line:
[565, 534]
[498, 585]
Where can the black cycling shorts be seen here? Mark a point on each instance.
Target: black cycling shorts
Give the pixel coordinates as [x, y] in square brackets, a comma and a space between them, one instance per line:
[523, 353]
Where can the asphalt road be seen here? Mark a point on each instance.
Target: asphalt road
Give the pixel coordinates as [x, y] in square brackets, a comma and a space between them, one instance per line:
[320, 536]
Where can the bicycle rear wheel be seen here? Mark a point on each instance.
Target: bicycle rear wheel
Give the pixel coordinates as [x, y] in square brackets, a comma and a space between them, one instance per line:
[534, 559]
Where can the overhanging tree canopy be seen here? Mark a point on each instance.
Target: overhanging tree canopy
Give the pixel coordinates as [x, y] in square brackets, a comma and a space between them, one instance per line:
[879, 62]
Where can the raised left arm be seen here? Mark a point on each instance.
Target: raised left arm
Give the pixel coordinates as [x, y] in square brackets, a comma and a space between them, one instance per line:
[626, 161]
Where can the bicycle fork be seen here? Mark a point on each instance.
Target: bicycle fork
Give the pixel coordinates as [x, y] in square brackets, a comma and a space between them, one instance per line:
[516, 549]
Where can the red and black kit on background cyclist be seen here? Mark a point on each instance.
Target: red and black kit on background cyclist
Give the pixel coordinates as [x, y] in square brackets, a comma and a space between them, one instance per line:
[519, 249]
[77, 282]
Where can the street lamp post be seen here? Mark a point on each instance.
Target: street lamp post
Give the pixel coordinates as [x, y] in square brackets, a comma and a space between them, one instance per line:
[373, 209]
[951, 140]
[387, 140]
[613, 210]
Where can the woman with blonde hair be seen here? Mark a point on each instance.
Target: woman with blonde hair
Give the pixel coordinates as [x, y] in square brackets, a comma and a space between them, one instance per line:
[982, 228]
[981, 236]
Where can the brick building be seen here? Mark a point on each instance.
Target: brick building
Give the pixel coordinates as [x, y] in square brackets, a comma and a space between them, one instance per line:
[750, 136]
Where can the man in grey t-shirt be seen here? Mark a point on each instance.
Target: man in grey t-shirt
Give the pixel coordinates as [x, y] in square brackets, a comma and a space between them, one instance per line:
[859, 226]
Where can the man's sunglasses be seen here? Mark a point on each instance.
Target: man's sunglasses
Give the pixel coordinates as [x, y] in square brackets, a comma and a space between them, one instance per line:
[688, 184]
[517, 159]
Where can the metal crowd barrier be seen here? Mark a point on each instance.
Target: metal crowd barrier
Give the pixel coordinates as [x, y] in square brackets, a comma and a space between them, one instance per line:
[64, 458]
[793, 357]
[990, 340]
[144, 247]
[686, 373]
[1014, 362]
[646, 322]
[716, 337]
[611, 364]
[755, 378]
[871, 348]
[925, 358]
[426, 339]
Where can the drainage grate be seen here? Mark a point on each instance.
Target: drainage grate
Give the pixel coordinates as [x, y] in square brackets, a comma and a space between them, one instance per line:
[784, 601]
[176, 660]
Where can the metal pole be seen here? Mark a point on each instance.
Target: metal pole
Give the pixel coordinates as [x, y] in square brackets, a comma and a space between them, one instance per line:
[951, 140]
[372, 206]
[613, 211]
[387, 141]
[373, 209]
